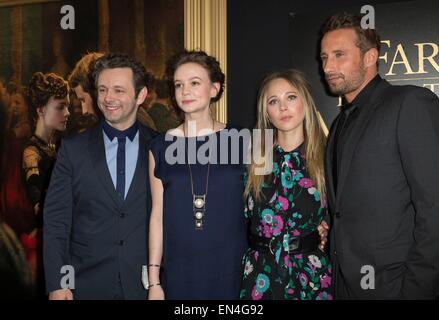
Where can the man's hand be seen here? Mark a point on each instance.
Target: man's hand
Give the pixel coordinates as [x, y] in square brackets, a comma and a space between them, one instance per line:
[62, 294]
[323, 232]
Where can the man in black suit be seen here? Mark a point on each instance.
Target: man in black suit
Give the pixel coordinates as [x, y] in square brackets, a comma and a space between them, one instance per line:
[382, 166]
[96, 213]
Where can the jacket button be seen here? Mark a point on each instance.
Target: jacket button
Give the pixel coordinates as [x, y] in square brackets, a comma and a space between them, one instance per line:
[337, 214]
[122, 215]
[121, 242]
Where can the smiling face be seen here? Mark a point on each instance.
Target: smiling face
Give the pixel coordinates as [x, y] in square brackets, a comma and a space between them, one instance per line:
[343, 63]
[193, 88]
[117, 98]
[55, 113]
[284, 106]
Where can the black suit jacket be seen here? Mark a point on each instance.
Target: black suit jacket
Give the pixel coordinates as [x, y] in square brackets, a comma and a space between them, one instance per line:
[385, 214]
[88, 227]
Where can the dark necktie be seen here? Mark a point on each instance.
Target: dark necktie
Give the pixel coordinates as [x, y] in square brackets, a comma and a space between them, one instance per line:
[120, 180]
[342, 125]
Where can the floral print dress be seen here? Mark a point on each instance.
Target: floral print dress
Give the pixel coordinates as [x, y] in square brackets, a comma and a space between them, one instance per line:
[290, 207]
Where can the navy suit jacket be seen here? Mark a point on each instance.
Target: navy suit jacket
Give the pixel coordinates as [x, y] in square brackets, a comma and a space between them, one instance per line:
[88, 227]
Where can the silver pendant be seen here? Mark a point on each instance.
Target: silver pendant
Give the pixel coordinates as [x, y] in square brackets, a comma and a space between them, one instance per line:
[198, 225]
[199, 215]
[199, 206]
[199, 202]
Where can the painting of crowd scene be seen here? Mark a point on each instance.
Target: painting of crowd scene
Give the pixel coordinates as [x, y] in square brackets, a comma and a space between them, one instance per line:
[33, 44]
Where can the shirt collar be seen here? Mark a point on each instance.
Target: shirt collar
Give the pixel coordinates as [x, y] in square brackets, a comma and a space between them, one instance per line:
[281, 150]
[112, 132]
[362, 97]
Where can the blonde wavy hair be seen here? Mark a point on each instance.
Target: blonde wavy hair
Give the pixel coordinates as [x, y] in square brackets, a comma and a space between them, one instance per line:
[314, 136]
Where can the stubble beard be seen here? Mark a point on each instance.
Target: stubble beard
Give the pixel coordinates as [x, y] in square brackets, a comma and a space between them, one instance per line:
[350, 83]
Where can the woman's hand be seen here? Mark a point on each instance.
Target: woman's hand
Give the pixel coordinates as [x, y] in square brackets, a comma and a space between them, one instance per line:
[156, 293]
[323, 229]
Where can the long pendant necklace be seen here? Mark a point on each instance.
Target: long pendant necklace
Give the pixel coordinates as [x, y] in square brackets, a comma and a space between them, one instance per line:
[199, 200]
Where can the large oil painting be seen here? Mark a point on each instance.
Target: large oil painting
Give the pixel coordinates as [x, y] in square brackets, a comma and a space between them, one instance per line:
[51, 36]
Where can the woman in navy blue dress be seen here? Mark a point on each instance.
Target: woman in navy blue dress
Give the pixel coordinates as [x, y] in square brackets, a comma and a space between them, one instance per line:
[197, 230]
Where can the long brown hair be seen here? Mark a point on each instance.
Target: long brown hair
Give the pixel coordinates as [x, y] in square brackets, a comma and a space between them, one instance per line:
[314, 137]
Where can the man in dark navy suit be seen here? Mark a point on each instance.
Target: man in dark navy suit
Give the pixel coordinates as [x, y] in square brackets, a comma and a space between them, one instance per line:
[97, 207]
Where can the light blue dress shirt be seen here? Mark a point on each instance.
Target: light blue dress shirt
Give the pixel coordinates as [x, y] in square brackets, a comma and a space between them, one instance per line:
[131, 154]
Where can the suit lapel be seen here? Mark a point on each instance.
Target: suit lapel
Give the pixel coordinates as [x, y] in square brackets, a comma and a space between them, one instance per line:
[328, 163]
[352, 141]
[96, 149]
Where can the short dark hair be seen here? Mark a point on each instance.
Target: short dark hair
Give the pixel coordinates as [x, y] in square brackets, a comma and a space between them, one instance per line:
[44, 86]
[121, 60]
[367, 38]
[203, 59]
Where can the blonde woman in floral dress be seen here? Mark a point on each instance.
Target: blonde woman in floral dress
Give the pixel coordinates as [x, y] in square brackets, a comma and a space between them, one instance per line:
[284, 208]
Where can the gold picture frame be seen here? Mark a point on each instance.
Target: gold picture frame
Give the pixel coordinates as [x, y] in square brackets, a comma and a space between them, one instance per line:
[205, 28]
